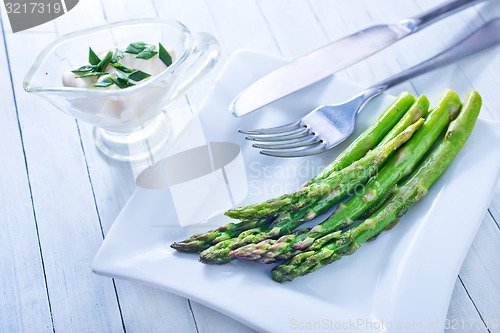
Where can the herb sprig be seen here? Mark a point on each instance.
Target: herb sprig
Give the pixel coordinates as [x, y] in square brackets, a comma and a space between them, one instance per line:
[124, 75]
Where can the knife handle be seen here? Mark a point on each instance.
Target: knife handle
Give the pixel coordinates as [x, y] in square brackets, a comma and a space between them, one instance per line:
[418, 22]
[484, 37]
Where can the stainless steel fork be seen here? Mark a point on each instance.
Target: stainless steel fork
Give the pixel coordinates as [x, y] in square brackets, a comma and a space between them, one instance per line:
[327, 126]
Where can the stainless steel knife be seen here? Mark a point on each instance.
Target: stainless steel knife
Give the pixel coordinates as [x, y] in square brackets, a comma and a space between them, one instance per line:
[334, 57]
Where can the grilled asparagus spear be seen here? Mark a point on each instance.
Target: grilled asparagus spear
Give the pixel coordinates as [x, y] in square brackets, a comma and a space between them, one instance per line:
[320, 196]
[356, 150]
[398, 166]
[411, 191]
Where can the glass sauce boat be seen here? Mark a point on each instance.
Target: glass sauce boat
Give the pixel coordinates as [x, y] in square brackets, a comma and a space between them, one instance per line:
[129, 123]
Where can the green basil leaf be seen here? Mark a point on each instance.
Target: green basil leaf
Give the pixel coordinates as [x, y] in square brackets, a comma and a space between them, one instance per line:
[138, 75]
[103, 83]
[120, 82]
[93, 58]
[117, 55]
[121, 76]
[123, 68]
[92, 74]
[137, 47]
[165, 56]
[101, 66]
[84, 69]
[147, 53]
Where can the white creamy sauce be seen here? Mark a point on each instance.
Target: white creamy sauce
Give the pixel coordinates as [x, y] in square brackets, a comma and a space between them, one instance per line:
[130, 110]
[153, 66]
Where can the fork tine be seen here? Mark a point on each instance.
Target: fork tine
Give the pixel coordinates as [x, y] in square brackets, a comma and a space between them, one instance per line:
[301, 132]
[296, 152]
[273, 130]
[293, 143]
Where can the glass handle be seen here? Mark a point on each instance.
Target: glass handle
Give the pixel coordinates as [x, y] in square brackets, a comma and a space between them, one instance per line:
[206, 52]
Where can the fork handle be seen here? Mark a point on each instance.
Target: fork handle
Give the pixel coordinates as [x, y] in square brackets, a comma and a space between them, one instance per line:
[486, 36]
[418, 22]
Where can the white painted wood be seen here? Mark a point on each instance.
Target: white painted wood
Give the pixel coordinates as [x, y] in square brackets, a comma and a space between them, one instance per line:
[22, 274]
[67, 223]
[209, 320]
[354, 18]
[480, 272]
[116, 10]
[240, 25]
[466, 73]
[339, 20]
[195, 15]
[495, 207]
[146, 309]
[461, 307]
[294, 26]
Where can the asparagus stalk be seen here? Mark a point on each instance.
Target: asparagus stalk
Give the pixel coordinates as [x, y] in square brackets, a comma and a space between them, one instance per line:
[319, 195]
[398, 166]
[370, 137]
[199, 242]
[375, 207]
[413, 190]
[367, 140]
[313, 192]
[418, 109]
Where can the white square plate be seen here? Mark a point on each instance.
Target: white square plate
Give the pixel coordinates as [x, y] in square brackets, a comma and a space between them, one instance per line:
[403, 278]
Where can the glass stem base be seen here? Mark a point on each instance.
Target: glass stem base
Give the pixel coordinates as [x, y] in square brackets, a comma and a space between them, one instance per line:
[140, 145]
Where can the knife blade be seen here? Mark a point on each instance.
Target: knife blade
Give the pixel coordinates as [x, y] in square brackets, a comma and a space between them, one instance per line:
[334, 57]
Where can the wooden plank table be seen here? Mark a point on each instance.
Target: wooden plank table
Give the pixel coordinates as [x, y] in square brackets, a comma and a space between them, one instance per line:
[60, 195]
